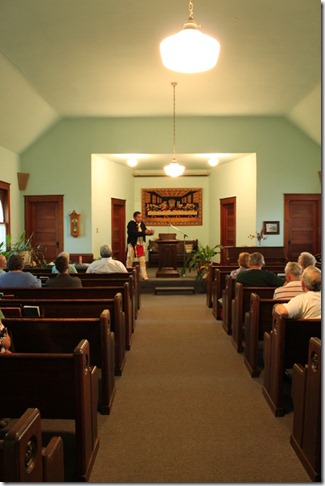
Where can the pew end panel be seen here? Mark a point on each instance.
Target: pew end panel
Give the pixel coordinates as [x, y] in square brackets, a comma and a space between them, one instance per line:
[22, 457]
[306, 429]
[257, 321]
[286, 344]
[60, 386]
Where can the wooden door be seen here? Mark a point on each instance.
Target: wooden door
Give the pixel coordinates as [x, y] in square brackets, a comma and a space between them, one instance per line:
[118, 228]
[302, 224]
[227, 223]
[44, 219]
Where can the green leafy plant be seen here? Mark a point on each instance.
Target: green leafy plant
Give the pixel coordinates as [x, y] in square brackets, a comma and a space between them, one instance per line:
[200, 259]
[33, 255]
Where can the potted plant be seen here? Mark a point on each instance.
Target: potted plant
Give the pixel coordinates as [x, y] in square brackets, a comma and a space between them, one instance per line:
[33, 255]
[200, 259]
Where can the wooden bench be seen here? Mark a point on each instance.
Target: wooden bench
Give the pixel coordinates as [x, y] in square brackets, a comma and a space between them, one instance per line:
[211, 279]
[76, 308]
[218, 285]
[241, 305]
[60, 335]
[257, 321]
[286, 344]
[22, 457]
[102, 279]
[306, 394]
[61, 386]
[273, 255]
[228, 294]
[84, 293]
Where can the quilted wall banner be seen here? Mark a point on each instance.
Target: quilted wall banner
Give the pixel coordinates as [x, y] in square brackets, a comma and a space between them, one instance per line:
[182, 206]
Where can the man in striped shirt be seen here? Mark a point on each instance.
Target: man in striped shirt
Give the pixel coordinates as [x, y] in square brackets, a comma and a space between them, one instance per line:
[293, 286]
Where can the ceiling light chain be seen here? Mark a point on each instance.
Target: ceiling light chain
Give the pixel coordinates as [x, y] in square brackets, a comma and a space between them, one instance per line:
[174, 169]
[174, 134]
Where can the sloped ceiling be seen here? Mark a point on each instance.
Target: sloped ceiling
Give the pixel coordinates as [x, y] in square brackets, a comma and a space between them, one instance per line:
[63, 58]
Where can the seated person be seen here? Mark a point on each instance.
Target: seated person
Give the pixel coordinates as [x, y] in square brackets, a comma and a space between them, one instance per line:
[15, 277]
[3, 263]
[63, 279]
[255, 276]
[106, 264]
[5, 341]
[292, 286]
[306, 259]
[307, 305]
[242, 262]
[72, 268]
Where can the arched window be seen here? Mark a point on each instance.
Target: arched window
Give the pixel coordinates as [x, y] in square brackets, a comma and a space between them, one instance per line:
[4, 210]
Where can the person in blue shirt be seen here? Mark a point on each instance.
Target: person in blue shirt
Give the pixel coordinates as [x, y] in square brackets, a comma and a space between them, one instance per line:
[15, 277]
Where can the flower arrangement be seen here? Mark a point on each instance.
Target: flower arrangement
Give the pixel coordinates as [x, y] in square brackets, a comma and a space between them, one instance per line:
[259, 235]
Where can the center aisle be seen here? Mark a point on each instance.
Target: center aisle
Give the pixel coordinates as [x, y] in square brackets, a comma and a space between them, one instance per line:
[186, 409]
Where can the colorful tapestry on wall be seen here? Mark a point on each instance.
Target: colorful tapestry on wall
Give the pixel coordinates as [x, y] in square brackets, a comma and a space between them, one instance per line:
[182, 206]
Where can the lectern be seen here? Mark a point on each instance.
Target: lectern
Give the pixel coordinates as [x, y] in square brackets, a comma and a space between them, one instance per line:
[167, 244]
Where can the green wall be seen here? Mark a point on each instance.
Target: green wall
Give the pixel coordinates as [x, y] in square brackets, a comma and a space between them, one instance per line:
[60, 162]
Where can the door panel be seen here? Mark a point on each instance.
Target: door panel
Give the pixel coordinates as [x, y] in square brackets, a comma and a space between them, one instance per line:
[118, 228]
[302, 216]
[44, 218]
[227, 223]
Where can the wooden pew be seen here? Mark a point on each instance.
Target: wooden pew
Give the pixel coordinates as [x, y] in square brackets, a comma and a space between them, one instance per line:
[133, 276]
[273, 255]
[103, 279]
[286, 344]
[257, 321]
[22, 457]
[83, 293]
[219, 284]
[57, 308]
[211, 277]
[61, 386]
[60, 335]
[241, 305]
[228, 294]
[306, 394]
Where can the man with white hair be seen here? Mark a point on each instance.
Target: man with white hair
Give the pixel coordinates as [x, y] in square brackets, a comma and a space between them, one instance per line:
[307, 305]
[306, 259]
[106, 264]
[293, 286]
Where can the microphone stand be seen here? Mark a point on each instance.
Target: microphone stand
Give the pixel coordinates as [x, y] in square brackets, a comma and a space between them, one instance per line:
[185, 236]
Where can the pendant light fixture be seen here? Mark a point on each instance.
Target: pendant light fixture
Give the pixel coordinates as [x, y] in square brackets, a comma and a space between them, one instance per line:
[174, 169]
[189, 51]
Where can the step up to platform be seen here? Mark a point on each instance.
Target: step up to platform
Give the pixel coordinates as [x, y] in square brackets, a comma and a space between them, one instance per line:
[174, 289]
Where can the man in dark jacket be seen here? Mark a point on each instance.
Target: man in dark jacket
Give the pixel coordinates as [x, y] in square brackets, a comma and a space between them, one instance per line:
[137, 232]
[256, 276]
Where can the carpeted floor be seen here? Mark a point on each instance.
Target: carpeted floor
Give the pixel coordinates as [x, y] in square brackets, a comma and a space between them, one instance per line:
[186, 409]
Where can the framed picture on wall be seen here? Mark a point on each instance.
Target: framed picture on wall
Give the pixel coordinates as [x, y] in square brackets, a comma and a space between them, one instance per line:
[180, 206]
[271, 227]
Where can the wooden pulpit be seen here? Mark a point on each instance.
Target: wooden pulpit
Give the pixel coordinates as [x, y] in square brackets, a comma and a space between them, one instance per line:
[167, 244]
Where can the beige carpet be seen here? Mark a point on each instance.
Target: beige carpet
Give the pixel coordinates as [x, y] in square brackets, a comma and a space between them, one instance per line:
[186, 409]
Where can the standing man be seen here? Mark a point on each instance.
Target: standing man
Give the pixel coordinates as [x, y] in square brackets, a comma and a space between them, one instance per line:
[137, 232]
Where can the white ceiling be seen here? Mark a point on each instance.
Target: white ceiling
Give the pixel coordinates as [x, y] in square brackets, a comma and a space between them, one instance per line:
[67, 58]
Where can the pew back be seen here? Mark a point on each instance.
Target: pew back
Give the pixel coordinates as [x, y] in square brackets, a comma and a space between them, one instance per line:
[60, 335]
[58, 308]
